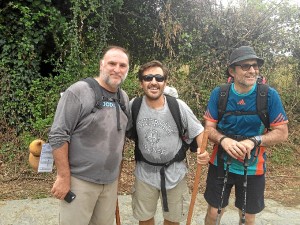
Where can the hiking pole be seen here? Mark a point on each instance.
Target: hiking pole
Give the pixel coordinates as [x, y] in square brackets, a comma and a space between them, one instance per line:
[246, 164]
[223, 189]
[197, 178]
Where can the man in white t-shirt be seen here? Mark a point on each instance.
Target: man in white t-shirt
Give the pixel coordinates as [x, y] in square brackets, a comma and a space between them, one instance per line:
[158, 141]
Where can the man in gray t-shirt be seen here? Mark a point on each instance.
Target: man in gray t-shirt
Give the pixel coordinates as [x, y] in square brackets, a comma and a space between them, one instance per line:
[158, 142]
[88, 142]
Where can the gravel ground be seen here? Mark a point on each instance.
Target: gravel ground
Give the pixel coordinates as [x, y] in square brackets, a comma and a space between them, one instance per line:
[45, 212]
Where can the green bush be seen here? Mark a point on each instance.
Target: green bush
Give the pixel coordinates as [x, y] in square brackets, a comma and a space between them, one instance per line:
[68, 35]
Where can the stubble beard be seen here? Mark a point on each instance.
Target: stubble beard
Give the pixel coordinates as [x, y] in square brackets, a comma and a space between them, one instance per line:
[152, 97]
[246, 83]
[111, 83]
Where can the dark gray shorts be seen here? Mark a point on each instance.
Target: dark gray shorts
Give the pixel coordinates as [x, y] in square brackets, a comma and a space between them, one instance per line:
[255, 190]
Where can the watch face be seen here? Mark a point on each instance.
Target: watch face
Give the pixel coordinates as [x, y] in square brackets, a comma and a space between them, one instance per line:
[258, 139]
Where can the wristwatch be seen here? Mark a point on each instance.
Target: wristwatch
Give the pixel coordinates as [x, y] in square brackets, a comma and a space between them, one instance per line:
[256, 140]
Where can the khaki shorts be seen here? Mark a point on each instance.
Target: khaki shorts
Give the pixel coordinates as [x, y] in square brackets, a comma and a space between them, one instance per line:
[94, 204]
[145, 197]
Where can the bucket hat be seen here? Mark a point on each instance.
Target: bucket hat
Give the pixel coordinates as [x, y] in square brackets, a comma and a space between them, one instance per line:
[244, 53]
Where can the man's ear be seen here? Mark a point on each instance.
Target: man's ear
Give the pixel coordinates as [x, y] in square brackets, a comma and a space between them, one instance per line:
[231, 71]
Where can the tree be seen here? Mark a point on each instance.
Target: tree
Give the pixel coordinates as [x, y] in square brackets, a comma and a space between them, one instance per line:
[48, 43]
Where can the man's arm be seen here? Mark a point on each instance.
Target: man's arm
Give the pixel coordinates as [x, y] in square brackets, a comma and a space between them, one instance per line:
[63, 180]
[202, 158]
[277, 135]
[234, 148]
[238, 149]
[213, 134]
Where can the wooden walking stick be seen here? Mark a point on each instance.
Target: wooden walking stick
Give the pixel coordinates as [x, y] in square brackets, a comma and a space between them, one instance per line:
[197, 178]
[118, 219]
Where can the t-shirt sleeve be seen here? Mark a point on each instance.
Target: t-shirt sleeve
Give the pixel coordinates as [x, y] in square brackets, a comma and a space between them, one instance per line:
[190, 122]
[211, 113]
[65, 120]
[277, 113]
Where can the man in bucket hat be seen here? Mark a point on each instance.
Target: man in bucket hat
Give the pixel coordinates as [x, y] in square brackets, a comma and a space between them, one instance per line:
[238, 157]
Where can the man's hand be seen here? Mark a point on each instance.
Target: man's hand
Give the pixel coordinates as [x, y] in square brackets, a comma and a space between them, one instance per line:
[202, 158]
[61, 187]
[249, 145]
[63, 179]
[235, 149]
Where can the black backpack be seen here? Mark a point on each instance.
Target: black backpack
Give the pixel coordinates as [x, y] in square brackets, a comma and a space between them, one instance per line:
[100, 99]
[261, 102]
[261, 110]
[180, 155]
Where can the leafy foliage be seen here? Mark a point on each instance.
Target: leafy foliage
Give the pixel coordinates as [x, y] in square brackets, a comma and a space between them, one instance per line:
[42, 47]
[24, 29]
[45, 46]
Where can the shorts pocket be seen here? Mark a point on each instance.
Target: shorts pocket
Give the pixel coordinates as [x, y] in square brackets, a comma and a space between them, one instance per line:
[178, 209]
[185, 204]
[133, 198]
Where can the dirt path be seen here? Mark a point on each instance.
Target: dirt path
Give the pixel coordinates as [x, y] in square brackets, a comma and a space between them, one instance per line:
[45, 212]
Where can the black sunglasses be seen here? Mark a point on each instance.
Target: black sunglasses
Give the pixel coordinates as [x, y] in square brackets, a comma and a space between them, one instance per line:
[246, 67]
[149, 77]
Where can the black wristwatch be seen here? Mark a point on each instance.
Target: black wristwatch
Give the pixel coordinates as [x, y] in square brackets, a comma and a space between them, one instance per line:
[256, 140]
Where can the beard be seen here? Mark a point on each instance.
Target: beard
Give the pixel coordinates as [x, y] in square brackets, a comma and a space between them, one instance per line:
[113, 82]
[152, 96]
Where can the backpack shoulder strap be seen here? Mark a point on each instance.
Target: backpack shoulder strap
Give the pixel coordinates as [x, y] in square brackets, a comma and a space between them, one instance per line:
[100, 98]
[175, 111]
[223, 98]
[99, 95]
[121, 101]
[97, 90]
[135, 108]
[94, 85]
[262, 103]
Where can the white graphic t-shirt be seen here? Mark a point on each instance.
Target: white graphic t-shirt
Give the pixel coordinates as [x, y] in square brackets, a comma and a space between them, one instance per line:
[159, 142]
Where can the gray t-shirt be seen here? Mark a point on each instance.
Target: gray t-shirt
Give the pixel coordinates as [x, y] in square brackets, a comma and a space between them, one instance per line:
[95, 144]
[159, 141]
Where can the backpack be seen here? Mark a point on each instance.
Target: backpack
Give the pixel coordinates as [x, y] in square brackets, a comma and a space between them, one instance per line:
[261, 111]
[261, 102]
[180, 155]
[101, 99]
